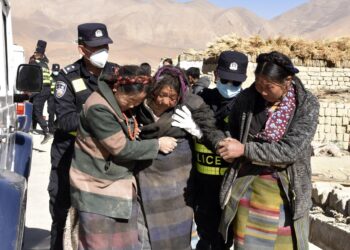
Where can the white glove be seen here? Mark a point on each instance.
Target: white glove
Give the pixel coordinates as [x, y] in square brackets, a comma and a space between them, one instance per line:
[183, 119]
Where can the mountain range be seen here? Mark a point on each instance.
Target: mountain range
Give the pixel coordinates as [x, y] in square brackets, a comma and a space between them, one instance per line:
[148, 30]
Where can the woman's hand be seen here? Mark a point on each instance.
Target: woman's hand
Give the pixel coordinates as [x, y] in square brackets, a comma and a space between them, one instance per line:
[167, 144]
[229, 149]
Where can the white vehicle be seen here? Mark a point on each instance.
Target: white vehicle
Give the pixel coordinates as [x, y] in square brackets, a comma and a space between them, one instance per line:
[15, 146]
[17, 59]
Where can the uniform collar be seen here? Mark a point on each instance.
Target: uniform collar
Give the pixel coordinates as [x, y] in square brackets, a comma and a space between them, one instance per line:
[84, 71]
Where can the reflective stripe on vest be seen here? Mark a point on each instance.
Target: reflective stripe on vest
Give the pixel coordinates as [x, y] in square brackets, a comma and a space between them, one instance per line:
[53, 86]
[207, 162]
[46, 76]
[73, 133]
[210, 170]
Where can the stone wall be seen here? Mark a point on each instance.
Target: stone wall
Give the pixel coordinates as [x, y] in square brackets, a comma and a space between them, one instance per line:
[334, 116]
[333, 123]
[316, 78]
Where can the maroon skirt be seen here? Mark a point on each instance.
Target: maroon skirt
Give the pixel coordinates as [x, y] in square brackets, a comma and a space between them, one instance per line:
[98, 232]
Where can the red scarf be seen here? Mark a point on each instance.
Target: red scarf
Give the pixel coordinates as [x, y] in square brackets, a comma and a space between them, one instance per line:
[278, 118]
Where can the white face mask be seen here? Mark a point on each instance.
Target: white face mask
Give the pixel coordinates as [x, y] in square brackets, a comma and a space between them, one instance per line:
[99, 58]
[55, 73]
[228, 90]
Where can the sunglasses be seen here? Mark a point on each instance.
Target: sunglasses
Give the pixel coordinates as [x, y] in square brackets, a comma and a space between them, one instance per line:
[234, 83]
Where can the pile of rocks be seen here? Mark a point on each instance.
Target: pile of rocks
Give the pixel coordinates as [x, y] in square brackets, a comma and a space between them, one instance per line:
[330, 216]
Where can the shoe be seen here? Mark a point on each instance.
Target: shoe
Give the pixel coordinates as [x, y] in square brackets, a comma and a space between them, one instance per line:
[47, 137]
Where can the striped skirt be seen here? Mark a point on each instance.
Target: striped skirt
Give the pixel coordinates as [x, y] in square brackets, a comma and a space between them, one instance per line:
[98, 232]
[162, 187]
[263, 219]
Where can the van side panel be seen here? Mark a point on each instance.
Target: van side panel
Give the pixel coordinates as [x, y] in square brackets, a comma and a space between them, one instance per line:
[23, 153]
[13, 192]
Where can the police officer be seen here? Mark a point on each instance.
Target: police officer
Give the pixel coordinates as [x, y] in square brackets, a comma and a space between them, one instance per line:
[39, 58]
[210, 168]
[74, 84]
[55, 69]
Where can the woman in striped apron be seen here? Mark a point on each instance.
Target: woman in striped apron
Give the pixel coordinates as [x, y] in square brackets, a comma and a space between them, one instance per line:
[272, 124]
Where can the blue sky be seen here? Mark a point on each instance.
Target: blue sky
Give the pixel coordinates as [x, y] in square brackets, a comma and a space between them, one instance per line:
[264, 8]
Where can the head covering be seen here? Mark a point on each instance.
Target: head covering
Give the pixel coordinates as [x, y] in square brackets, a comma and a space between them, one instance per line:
[55, 67]
[232, 65]
[174, 71]
[93, 34]
[40, 46]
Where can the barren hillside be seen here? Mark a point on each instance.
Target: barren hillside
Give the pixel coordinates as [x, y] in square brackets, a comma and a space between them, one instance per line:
[147, 30]
[317, 19]
[142, 30]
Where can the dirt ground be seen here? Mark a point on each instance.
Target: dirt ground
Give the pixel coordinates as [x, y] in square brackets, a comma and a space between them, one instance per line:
[333, 169]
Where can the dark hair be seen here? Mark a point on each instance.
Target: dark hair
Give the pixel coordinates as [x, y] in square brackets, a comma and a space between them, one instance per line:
[128, 79]
[194, 72]
[146, 67]
[168, 60]
[275, 66]
[171, 76]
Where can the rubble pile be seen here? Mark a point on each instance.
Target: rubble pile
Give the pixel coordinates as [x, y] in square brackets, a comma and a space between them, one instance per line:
[330, 216]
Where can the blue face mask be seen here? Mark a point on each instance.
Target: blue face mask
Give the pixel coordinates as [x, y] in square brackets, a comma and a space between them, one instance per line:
[228, 90]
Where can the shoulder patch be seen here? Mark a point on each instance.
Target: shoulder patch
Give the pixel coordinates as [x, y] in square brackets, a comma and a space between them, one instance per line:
[61, 88]
[70, 68]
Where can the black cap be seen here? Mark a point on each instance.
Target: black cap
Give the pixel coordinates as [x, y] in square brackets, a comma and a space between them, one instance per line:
[55, 67]
[40, 46]
[93, 34]
[232, 65]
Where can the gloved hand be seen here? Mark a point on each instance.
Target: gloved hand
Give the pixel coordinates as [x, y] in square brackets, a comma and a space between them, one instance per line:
[183, 119]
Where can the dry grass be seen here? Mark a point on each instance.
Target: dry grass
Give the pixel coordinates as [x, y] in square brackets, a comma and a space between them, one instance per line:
[332, 52]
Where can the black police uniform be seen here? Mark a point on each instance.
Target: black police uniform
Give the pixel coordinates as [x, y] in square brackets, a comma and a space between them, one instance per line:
[51, 106]
[74, 84]
[39, 99]
[210, 167]
[208, 176]
[51, 100]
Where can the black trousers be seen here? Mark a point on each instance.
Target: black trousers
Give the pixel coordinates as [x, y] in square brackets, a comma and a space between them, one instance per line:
[51, 112]
[207, 212]
[38, 107]
[59, 191]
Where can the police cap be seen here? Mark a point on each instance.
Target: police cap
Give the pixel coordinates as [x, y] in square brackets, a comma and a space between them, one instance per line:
[232, 65]
[55, 67]
[40, 46]
[93, 34]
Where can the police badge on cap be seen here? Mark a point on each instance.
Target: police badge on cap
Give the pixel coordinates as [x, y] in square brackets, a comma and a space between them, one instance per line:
[98, 33]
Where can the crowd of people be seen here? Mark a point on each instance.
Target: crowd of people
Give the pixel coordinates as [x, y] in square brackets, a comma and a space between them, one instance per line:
[142, 156]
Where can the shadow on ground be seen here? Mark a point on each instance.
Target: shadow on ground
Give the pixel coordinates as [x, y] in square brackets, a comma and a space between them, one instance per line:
[36, 238]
